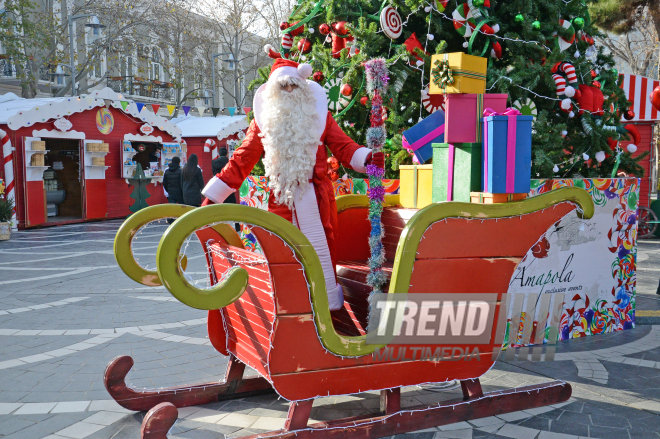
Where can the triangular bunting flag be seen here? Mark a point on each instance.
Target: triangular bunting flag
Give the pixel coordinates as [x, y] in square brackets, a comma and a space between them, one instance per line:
[107, 102]
[232, 110]
[247, 109]
[201, 110]
[186, 109]
[155, 107]
[171, 108]
[140, 106]
[215, 111]
[124, 105]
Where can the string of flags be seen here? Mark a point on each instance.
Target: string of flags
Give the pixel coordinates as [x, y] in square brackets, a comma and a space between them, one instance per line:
[200, 110]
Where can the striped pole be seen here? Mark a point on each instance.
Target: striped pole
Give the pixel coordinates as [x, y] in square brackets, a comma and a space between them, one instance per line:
[209, 146]
[7, 159]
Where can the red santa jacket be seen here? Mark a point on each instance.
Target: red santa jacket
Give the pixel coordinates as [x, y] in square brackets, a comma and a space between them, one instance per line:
[342, 147]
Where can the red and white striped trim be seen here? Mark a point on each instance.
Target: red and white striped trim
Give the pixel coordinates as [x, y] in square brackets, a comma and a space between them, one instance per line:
[560, 83]
[637, 89]
[7, 160]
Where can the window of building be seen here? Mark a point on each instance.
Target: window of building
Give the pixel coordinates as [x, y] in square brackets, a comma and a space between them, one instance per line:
[96, 67]
[126, 66]
[156, 67]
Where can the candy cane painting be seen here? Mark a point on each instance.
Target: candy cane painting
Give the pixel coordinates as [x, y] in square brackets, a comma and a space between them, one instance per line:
[9, 171]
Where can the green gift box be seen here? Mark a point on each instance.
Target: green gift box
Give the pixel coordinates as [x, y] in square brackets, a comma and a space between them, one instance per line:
[456, 171]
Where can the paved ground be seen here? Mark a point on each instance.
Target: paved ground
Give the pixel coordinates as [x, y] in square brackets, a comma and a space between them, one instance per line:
[66, 310]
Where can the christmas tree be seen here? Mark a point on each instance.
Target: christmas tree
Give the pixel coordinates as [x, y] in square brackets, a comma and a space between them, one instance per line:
[140, 193]
[542, 53]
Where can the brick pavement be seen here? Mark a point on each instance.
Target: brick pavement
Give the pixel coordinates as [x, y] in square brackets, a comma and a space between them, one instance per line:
[66, 310]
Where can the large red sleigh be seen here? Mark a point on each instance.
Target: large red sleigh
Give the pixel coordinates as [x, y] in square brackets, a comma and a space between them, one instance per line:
[270, 311]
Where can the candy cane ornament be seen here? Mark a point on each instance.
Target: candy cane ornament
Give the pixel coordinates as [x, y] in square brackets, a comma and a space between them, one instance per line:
[287, 43]
[209, 146]
[7, 159]
[562, 89]
[560, 84]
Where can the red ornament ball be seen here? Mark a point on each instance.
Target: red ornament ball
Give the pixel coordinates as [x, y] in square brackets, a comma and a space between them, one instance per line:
[324, 29]
[629, 115]
[284, 25]
[655, 98]
[346, 90]
[304, 45]
[340, 28]
[318, 76]
[593, 74]
[364, 100]
[596, 84]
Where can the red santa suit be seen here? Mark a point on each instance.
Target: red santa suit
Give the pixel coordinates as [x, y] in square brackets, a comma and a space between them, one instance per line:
[315, 214]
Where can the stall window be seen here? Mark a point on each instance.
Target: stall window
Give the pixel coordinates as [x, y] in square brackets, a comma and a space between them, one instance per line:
[148, 155]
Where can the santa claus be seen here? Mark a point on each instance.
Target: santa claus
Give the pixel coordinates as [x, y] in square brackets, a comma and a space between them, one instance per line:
[291, 129]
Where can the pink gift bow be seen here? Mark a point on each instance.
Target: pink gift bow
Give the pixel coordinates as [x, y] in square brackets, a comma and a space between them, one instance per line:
[510, 147]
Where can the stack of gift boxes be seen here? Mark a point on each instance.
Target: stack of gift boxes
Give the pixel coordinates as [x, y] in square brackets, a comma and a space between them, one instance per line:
[481, 151]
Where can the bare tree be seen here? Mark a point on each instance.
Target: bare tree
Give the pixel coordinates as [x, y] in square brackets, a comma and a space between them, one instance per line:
[274, 12]
[638, 46]
[35, 36]
[184, 35]
[235, 26]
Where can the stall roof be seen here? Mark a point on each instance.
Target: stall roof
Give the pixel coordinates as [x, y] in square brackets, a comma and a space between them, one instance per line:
[18, 112]
[220, 127]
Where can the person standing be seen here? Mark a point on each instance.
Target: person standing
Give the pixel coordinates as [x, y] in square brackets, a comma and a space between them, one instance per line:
[192, 182]
[172, 182]
[292, 129]
[217, 165]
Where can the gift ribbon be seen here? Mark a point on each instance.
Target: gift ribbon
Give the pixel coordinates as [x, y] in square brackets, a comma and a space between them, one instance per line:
[480, 106]
[442, 75]
[424, 139]
[450, 172]
[512, 113]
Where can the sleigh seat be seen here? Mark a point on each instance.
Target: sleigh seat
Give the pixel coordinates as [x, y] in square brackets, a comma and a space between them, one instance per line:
[353, 268]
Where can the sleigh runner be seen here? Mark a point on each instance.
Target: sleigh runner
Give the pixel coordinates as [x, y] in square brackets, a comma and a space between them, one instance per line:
[270, 311]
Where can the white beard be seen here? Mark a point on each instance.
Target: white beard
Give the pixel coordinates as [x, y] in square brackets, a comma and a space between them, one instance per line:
[289, 138]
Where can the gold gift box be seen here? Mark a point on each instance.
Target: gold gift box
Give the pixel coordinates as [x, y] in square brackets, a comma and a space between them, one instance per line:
[468, 72]
[416, 186]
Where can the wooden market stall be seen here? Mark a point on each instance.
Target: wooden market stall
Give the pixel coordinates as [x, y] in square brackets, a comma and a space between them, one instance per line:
[638, 89]
[68, 159]
[204, 135]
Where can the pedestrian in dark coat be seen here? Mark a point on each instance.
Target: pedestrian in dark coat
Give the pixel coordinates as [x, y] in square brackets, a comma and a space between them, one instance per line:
[192, 182]
[172, 182]
[217, 166]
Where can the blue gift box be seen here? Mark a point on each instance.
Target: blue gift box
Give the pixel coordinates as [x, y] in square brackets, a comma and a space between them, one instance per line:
[507, 154]
[420, 137]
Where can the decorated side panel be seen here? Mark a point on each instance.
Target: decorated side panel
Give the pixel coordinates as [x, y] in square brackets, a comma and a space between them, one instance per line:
[587, 264]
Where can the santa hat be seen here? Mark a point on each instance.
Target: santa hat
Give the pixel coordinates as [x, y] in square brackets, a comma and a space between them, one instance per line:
[283, 66]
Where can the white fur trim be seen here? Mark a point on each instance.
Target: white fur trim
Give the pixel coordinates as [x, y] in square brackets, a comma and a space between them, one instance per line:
[319, 96]
[309, 222]
[304, 70]
[284, 71]
[217, 190]
[358, 159]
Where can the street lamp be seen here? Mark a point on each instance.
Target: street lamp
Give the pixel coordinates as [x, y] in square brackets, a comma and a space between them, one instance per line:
[96, 25]
[58, 76]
